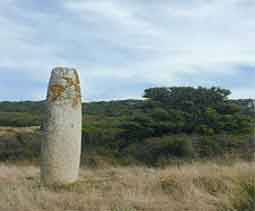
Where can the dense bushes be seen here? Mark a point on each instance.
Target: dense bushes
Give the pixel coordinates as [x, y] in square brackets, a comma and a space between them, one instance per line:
[151, 150]
[21, 114]
[171, 123]
[19, 119]
[159, 150]
[106, 146]
[20, 144]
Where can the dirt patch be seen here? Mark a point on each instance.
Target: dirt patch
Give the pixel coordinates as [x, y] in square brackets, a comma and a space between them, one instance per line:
[16, 143]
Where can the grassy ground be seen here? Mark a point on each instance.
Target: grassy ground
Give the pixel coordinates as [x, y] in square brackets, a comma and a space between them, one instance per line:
[205, 187]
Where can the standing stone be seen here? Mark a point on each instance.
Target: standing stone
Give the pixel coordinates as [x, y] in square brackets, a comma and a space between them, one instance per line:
[61, 148]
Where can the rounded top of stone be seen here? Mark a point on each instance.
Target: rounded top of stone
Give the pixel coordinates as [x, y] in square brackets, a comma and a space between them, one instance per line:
[64, 86]
[63, 71]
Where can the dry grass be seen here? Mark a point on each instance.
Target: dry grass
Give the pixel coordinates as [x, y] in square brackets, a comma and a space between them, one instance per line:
[15, 130]
[198, 187]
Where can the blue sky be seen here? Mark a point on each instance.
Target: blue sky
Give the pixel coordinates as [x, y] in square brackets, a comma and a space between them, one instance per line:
[122, 47]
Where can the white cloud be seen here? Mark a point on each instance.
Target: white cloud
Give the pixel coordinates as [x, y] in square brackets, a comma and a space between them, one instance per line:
[152, 41]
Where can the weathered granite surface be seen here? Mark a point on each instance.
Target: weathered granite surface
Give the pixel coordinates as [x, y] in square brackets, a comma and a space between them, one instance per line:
[61, 148]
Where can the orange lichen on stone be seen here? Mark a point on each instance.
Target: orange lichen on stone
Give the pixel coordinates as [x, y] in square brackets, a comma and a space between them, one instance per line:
[55, 91]
[76, 84]
[77, 77]
[77, 98]
[69, 81]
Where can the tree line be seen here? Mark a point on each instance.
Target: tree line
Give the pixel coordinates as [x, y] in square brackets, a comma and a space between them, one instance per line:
[171, 122]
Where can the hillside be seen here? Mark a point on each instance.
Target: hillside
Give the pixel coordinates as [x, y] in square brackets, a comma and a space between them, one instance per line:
[15, 113]
[171, 123]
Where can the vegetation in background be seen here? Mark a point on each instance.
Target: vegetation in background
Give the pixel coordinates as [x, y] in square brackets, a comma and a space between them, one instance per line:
[171, 123]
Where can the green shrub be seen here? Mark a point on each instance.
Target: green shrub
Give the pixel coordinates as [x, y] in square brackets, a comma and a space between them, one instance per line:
[19, 119]
[245, 200]
[153, 149]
